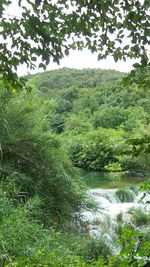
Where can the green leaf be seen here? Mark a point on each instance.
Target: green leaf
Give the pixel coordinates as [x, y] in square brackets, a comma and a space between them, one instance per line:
[67, 52]
[43, 66]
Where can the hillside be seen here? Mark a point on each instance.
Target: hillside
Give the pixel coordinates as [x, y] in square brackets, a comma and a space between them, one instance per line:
[94, 114]
[65, 78]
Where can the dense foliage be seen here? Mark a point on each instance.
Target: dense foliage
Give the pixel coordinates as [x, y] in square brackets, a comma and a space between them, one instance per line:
[73, 78]
[95, 119]
[100, 125]
[33, 161]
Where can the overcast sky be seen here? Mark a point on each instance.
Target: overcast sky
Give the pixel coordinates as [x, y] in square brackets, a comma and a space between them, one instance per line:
[85, 59]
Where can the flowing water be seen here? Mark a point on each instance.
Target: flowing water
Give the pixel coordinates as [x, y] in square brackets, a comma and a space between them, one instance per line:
[113, 204]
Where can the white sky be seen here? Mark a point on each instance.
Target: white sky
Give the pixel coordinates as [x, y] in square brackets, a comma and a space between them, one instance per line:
[84, 59]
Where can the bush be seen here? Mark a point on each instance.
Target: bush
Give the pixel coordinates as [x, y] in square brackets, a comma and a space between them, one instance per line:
[140, 217]
[92, 151]
[96, 248]
[109, 117]
[20, 237]
[26, 243]
[132, 164]
[33, 161]
[53, 261]
[77, 125]
[113, 167]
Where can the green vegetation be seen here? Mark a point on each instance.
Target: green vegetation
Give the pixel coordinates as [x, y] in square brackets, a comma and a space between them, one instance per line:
[87, 117]
[139, 217]
[92, 151]
[44, 136]
[125, 195]
[96, 247]
[85, 24]
[95, 120]
[73, 79]
[33, 162]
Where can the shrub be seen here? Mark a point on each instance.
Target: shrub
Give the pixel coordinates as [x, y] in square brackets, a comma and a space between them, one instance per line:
[92, 151]
[53, 261]
[109, 117]
[113, 167]
[139, 217]
[33, 160]
[27, 243]
[96, 248]
[131, 164]
[20, 237]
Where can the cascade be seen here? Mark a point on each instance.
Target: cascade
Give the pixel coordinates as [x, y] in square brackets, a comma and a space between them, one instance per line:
[104, 195]
[112, 203]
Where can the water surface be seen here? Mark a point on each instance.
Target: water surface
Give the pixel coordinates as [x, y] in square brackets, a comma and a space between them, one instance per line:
[110, 180]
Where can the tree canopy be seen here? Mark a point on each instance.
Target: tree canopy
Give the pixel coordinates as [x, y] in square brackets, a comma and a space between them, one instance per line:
[45, 31]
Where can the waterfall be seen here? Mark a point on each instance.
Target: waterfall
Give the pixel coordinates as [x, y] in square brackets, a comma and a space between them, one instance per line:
[113, 201]
[108, 195]
[113, 195]
[114, 205]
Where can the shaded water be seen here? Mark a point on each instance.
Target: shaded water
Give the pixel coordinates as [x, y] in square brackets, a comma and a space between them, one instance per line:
[110, 180]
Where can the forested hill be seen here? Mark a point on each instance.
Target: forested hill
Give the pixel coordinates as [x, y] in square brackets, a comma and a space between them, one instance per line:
[94, 114]
[65, 78]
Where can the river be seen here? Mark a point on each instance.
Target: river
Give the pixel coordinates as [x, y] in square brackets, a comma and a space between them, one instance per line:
[110, 179]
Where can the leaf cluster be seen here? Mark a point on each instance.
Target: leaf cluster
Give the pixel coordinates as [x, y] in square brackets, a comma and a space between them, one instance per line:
[46, 31]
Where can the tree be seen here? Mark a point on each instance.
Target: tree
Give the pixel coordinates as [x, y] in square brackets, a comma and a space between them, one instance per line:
[46, 30]
[109, 117]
